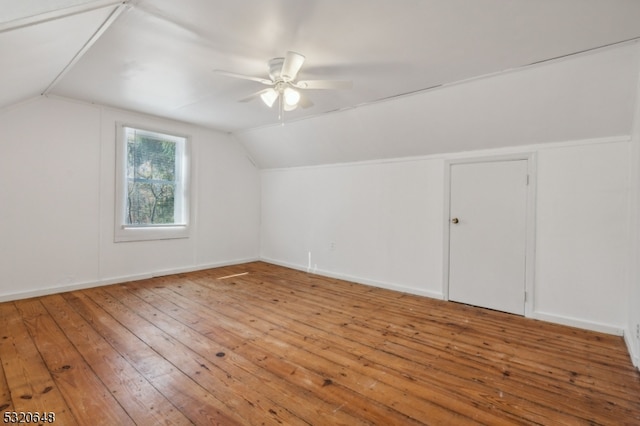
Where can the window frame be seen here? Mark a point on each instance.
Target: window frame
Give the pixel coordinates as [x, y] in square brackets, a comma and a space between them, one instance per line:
[124, 232]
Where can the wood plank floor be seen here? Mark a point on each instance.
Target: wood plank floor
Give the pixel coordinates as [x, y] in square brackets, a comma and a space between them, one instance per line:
[277, 346]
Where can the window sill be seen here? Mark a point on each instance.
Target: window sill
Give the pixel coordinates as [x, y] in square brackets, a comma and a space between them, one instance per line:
[150, 233]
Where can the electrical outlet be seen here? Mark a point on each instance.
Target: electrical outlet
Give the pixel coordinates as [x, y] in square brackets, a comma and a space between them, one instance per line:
[638, 331]
[332, 246]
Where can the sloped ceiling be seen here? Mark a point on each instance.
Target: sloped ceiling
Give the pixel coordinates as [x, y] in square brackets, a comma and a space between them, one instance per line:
[159, 56]
[586, 96]
[38, 41]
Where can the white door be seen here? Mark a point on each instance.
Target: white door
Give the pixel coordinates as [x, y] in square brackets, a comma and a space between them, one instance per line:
[487, 234]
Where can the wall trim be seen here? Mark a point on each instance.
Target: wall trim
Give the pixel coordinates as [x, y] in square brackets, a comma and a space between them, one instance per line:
[137, 114]
[542, 316]
[20, 103]
[578, 323]
[508, 150]
[628, 340]
[357, 279]
[446, 85]
[121, 279]
[632, 339]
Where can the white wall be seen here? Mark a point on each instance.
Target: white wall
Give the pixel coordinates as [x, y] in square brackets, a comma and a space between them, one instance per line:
[582, 235]
[57, 167]
[632, 332]
[374, 223]
[386, 220]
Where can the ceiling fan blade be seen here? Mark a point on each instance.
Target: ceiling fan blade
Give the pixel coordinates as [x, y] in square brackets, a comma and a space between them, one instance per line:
[245, 77]
[324, 84]
[255, 95]
[291, 66]
[304, 102]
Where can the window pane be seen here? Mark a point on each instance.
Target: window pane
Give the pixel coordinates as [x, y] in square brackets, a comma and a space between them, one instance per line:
[150, 203]
[151, 179]
[152, 185]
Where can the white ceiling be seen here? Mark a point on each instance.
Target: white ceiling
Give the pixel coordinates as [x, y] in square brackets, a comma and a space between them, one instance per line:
[158, 56]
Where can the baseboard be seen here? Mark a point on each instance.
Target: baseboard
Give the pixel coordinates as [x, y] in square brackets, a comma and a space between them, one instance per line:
[120, 279]
[631, 347]
[579, 323]
[203, 266]
[356, 279]
[66, 288]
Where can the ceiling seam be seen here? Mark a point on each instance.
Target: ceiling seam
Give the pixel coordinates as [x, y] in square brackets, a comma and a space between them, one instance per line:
[604, 46]
[85, 48]
[55, 15]
[443, 85]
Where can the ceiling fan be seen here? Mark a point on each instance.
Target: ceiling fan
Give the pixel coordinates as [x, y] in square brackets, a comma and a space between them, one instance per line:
[284, 84]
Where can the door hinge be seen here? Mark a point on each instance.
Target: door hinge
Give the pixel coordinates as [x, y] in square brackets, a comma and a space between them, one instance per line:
[525, 296]
[527, 180]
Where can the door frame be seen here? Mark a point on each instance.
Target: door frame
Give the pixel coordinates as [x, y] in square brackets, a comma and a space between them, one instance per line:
[530, 231]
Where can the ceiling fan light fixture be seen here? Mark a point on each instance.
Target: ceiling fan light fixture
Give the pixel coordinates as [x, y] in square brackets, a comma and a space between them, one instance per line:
[269, 97]
[291, 97]
[288, 108]
[284, 86]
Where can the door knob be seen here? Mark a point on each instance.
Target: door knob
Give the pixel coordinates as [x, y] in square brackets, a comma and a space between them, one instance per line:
[455, 220]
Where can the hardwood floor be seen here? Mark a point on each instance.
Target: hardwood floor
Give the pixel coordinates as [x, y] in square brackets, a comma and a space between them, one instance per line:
[277, 346]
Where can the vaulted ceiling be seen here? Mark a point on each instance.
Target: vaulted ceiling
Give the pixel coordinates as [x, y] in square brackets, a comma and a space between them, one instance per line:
[159, 56]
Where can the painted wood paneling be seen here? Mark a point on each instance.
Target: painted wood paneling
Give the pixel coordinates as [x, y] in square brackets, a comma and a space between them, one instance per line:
[386, 220]
[58, 168]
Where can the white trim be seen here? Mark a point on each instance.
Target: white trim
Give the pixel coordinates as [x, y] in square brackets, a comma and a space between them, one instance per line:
[357, 279]
[532, 208]
[22, 102]
[446, 224]
[628, 340]
[137, 115]
[53, 15]
[631, 338]
[509, 150]
[556, 319]
[113, 16]
[446, 85]
[530, 220]
[121, 279]
[578, 323]
[123, 233]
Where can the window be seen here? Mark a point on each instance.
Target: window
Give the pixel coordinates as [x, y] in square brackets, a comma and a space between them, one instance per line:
[152, 185]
